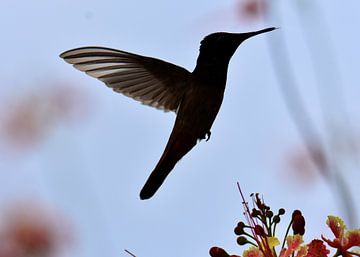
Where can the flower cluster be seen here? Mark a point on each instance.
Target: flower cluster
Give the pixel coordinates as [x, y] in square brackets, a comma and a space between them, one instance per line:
[259, 232]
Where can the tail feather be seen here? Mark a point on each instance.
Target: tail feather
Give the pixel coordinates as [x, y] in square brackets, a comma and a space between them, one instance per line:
[176, 148]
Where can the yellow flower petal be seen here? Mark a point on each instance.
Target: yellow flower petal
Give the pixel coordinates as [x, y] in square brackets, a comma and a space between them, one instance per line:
[336, 225]
[273, 241]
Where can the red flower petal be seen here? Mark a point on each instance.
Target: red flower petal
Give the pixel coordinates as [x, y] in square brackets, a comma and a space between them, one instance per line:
[353, 238]
[293, 243]
[333, 243]
[302, 251]
[316, 248]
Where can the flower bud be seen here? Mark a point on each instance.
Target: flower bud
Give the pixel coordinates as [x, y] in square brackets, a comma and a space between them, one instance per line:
[241, 240]
[298, 223]
[255, 213]
[259, 230]
[281, 211]
[239, 229]
[218, 252]
[269, 214]
[276, 219]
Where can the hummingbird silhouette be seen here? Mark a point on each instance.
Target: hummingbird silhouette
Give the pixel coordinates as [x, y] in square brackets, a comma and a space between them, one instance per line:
[195, 96]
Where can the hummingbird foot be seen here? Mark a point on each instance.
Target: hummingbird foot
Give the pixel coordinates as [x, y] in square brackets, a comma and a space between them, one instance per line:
[207, 134]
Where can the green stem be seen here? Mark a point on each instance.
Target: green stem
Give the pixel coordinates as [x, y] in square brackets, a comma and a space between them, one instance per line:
[274, 252]
[274, 229]
[252, 243]
[264, 222]
[269, 229]
[248, 235]
[286, 234]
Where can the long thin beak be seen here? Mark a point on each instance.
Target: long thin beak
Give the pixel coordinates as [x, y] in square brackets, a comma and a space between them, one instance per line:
[246, 35]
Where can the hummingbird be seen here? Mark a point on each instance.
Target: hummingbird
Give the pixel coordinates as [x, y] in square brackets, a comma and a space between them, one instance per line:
[194, 96]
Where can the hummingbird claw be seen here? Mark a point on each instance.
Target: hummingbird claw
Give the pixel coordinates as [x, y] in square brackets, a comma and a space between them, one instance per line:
[208, 134]
[205, 136]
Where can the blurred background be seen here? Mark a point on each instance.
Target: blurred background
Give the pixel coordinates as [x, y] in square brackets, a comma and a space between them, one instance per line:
[74, 154]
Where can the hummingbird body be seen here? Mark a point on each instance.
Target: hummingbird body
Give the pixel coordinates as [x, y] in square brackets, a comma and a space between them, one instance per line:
[196, 97]
[199, 107]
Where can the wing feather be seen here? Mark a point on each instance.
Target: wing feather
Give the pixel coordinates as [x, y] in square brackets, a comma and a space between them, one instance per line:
[151, 81]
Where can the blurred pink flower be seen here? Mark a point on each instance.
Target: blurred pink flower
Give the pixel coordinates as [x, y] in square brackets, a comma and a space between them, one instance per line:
[28, 118]
[251, 10]
[308, 164]
[300, 162]
[28, 229]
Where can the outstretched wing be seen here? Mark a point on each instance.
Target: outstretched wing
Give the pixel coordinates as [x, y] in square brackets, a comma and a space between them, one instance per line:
[151, 81]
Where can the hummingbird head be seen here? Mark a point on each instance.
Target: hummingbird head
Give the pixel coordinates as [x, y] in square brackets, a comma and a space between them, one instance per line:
[219, 47]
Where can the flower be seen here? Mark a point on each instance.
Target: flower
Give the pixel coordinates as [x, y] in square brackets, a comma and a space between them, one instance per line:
[344, 240]
[31, 230]
[316, 248]
[28, 118]
[261, 221]
[250, 10]
[259, 231]
[300, 164]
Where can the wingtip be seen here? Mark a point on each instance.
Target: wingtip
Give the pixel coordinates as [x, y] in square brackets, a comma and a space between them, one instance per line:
[62, 55]
[68, 53]
[65, 54]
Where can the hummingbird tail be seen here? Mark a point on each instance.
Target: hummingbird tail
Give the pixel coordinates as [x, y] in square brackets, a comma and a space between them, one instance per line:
[174, 151]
